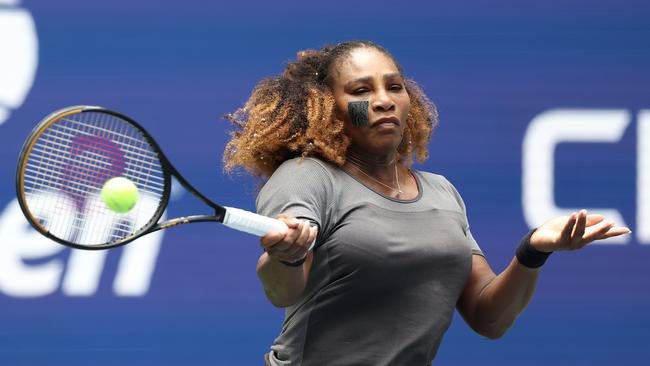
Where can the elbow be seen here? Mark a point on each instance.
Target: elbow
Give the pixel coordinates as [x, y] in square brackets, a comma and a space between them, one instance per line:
[279, 304]
[280, 301]
[494, 331]
[493, 334]
[493, 324]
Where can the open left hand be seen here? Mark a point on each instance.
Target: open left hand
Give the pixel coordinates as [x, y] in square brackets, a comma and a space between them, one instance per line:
[574, 232]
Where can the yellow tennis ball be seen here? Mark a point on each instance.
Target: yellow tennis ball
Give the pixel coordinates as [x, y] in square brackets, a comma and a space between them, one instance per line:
[120, 194]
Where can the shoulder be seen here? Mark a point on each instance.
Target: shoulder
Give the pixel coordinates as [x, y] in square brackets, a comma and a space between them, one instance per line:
[436, 181]
[308, 165]
[301, 187]
[441, 184]
[307, 171]
[301, 176]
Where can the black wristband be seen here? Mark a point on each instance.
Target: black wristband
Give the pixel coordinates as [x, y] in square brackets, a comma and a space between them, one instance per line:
[529, 256]
[297, 263]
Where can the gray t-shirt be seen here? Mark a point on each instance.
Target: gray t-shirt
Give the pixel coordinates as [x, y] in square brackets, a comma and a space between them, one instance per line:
[386, 274]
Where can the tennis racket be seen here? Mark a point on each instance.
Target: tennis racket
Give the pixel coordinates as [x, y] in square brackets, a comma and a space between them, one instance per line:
[71, 154]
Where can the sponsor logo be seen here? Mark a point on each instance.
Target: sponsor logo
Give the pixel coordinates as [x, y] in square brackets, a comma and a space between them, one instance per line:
[31, 265]
[18, 56]
[81, 273]
[556, 126]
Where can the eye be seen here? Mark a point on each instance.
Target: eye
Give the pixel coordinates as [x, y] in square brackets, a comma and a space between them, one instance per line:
[359, 91]
[396, 87]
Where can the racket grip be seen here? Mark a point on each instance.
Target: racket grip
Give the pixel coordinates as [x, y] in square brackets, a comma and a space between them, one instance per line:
[251, 223]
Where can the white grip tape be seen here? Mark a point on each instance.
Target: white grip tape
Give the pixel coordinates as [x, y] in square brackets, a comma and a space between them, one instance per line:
[251, 223]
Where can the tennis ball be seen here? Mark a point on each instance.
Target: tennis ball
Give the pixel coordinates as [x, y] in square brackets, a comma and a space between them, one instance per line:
[120, 194]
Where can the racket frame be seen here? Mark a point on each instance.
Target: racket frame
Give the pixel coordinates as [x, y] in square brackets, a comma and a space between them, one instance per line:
[168, 171]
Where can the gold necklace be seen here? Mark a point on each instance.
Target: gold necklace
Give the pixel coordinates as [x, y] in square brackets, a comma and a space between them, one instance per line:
[398, 189]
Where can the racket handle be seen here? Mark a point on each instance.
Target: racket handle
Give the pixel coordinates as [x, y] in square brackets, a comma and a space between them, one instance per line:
[251, 223]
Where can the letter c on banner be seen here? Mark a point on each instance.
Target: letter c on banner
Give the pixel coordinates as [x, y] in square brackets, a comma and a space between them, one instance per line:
[544, 133]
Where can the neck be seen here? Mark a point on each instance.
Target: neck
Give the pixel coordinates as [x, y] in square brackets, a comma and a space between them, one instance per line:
[370, 161]
[380, 166]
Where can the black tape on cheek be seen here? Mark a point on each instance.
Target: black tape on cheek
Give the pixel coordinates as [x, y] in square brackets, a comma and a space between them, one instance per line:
[358, 112]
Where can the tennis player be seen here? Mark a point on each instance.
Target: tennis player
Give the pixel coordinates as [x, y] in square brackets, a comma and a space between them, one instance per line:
[335, 135]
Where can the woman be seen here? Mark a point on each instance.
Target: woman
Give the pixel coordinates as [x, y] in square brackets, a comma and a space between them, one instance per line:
[393, 254]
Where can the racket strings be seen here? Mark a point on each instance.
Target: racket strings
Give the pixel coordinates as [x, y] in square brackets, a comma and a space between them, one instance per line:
[68, 165]
[93, 158]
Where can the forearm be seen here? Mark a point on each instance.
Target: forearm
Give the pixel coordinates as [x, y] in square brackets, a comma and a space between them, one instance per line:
[503, 298]
[491, 303]
[283, 284]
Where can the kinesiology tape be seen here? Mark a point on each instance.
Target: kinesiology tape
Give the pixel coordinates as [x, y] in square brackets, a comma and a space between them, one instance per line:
[358, 112]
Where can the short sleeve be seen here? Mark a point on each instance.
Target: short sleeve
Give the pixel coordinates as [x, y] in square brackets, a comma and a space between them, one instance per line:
[302, 188]
[475, 247]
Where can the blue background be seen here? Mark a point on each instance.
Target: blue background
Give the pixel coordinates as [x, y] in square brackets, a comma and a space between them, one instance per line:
[490, 67]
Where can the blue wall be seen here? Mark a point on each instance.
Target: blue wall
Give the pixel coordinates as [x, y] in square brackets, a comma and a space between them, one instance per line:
[491, 68]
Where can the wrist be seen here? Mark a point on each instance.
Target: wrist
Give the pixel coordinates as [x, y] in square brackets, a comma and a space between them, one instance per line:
[295, 263]
[528, 256]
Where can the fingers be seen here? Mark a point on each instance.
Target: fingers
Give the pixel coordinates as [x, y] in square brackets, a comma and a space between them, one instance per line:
[574, 231]
[271, 239]
[292, 236]
[293, 244]
[593, 219]
[579, 228]
[312, 235]
[582, 228]
[598, 232]
[598, 229]
[304, 233]
[608, 230]
[616, 231]
[274, 237]
[298, 249]
[291, 221]
[565, 235]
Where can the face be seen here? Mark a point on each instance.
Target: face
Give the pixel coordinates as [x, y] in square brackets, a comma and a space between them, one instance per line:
[369, 75]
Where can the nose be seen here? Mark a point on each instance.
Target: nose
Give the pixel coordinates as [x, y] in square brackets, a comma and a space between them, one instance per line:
[382, 102]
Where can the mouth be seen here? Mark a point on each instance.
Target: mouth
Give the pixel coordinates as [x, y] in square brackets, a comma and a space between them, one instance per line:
[385, 121]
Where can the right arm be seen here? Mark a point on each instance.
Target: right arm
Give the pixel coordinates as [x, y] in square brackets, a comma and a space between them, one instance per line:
[284, 284]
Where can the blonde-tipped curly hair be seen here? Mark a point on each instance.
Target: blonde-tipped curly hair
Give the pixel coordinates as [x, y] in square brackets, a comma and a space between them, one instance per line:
[293, 115]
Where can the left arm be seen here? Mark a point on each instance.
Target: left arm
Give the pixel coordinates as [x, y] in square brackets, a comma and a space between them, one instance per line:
[490, 303]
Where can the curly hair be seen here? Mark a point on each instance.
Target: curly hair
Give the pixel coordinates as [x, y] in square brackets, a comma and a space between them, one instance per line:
[293, 115]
